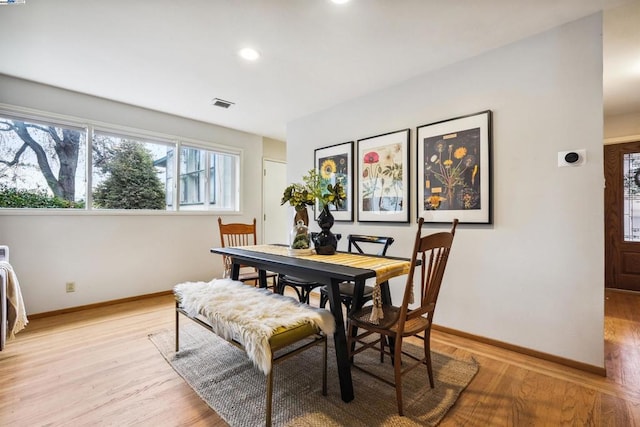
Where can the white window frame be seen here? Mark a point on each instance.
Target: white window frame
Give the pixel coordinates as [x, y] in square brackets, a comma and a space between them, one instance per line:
[91, 126]
[208, 149]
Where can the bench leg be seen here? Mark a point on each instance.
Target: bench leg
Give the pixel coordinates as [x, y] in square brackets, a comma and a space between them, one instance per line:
[324, 366]
[269, 395]
[177, 329]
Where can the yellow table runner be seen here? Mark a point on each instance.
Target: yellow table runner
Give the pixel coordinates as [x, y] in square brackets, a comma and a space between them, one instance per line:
[385, 268]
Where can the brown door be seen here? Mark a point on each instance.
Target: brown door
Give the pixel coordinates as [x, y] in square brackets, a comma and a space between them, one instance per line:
[622, 216]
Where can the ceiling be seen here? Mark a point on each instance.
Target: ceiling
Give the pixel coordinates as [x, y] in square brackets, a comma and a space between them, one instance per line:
[175, 56]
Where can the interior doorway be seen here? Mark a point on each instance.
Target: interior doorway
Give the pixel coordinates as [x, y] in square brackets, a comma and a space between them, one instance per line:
[276, 219]
[622, 215]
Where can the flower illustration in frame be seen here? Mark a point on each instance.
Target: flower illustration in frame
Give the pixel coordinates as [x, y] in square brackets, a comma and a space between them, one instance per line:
[383, 177]
[335, 165]
[454, 169]
[451, 170]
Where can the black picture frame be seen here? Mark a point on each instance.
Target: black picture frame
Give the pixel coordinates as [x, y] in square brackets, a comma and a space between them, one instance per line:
[454, 168]
[335, 163]
[383, 177]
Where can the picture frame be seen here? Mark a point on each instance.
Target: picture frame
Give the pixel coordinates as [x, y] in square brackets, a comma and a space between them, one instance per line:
[454, 169]
[335, 163]
[383, 177]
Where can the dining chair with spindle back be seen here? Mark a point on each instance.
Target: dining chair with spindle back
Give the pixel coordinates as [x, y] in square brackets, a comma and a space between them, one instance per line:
[239, 234]
[431, 253]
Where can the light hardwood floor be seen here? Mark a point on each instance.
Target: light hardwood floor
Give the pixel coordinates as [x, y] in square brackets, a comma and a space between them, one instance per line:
[98, 367]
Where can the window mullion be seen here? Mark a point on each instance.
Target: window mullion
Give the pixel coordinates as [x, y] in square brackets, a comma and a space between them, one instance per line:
[178, 178]
[88, 181]
[207, 180]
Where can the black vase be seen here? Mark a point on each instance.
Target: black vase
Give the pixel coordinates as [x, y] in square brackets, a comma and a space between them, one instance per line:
[325, 241]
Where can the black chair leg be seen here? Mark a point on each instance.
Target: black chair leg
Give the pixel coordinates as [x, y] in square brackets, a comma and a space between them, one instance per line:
[279, 287]
[392, 348]
[300, 293]
[324, 299]
[304, 295]
[347, 302]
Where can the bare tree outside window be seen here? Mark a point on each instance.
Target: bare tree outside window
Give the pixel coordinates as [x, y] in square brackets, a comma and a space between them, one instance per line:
[41, 161]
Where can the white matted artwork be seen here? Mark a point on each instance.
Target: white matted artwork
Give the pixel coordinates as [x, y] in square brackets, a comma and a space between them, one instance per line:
[383, 177]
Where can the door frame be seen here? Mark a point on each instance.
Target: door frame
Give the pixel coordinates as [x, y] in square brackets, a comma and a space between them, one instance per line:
[613, 213]
[280, 214]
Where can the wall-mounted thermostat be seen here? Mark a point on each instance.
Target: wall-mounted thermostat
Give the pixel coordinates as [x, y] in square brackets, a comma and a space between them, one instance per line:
[572, 158]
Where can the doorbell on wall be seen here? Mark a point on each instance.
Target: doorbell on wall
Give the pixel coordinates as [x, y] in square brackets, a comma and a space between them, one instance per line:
[572, 158]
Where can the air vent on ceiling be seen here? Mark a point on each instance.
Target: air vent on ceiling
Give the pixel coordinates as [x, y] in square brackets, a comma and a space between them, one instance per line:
[217, 102]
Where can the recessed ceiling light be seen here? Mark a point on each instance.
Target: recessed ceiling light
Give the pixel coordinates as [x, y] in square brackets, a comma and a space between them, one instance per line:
[249, 54]
[340, 1]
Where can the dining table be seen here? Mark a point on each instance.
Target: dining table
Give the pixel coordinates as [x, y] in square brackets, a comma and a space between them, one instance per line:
[330, 270]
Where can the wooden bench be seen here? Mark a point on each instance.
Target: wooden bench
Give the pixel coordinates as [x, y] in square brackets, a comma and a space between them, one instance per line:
[256, 320]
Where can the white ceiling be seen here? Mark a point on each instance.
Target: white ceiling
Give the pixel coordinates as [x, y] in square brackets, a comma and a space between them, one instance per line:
[176, 56]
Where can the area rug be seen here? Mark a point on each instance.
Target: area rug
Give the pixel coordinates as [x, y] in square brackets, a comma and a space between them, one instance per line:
[223, 377]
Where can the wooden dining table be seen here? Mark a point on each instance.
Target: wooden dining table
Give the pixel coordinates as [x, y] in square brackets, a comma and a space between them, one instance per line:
[330, 270]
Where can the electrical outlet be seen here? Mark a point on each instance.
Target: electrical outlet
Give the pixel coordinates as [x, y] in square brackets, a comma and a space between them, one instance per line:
[71, 286]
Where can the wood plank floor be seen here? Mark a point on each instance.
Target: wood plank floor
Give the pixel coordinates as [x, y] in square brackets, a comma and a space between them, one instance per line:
[98, 367]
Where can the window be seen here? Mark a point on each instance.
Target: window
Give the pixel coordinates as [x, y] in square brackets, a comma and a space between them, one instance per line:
[208, 179]
[192, 177]
[225, 186]
[50, 164]
[631, 214]
[129, 173]
[42, 164]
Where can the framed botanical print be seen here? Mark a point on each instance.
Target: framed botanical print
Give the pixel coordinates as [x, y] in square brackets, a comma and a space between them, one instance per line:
[335, 164]
[454, 169]
[383, 177]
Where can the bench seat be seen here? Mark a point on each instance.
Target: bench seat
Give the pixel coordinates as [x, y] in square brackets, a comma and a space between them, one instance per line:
[257, 321]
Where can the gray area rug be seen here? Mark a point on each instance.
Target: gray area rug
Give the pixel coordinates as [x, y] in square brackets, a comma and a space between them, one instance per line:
[223, 377]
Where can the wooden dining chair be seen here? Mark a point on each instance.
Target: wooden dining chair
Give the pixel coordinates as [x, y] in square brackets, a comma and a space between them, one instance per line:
[399, 322]
[360, 244]
[238, 234]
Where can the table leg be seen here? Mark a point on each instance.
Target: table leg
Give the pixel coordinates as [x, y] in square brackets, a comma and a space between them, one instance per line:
[340, 340]
[357, 299]
[385, 293]
[262, 278]
[235, 271]
[356, 304]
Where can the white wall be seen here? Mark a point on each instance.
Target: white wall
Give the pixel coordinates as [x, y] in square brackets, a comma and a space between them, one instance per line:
[117, 256]
[535, 277]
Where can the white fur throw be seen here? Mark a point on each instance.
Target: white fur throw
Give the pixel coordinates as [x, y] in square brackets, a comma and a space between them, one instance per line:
[250, 315]
[16, 312]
